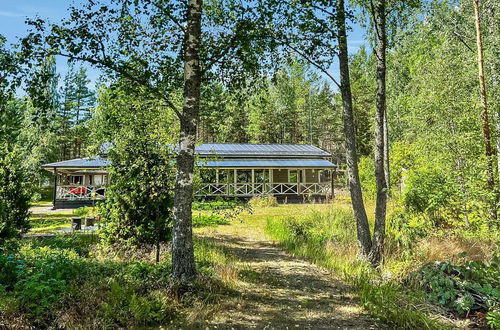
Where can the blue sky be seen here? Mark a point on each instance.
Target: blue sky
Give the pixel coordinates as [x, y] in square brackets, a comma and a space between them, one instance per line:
[13, 14]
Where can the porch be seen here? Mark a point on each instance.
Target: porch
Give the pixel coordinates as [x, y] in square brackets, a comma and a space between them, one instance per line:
[253, 182]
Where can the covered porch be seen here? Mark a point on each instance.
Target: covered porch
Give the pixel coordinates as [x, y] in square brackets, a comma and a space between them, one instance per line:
[247, 178]
[78, 182]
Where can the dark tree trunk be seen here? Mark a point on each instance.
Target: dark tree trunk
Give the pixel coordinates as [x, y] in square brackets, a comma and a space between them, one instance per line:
[363, 228]
[380, 178]
[484, 112]
[183, 264]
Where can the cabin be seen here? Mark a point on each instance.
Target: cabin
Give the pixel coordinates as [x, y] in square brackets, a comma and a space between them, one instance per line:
[291, 172]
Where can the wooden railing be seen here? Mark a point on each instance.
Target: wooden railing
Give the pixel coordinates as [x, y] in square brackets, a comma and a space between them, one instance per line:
[253, 189]
[73, 192]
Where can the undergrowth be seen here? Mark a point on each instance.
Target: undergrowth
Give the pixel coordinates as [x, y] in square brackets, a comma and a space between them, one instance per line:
[65, 282]
[328, 238]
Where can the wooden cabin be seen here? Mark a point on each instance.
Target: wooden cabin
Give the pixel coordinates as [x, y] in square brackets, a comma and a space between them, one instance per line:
[292, 172]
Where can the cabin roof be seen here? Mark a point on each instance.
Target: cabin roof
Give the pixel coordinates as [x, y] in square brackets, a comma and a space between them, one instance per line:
[260, 150]
[98, 163]
[267, 163]
[229, 155]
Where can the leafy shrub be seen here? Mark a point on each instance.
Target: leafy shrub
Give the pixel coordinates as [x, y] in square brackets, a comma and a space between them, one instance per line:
[9, 267]
[263, 201]
[38, 293]
[205, 220]
[472, 286]
[367, 176]
[15, 196]
[215, 205]
[85, 211]
[82, 244]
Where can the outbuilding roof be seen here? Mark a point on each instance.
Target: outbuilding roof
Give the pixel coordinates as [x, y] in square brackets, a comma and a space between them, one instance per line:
[95, 162]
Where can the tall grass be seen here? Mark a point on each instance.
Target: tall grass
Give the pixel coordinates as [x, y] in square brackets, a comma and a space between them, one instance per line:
[329, 240]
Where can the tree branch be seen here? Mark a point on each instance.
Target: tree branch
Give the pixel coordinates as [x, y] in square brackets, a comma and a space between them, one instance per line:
[460, 38]
[108, 64]
[316, 65]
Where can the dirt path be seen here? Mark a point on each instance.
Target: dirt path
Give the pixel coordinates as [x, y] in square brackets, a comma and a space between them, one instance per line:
[282, 292]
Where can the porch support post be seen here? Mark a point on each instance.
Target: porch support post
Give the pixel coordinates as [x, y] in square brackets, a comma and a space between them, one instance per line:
[217, 175]
[252, 187]
[299, 180]
[55, 189]
[332, 173]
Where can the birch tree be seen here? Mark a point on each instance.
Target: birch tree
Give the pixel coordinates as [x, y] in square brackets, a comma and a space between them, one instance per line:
[166, 48]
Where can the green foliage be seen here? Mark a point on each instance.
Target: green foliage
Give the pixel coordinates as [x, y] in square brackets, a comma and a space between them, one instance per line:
[473, 286]
[366, 168]
[138, 207]
[57, 282]
[15, 196]
[208, 220]
[327, 238]
[86, 211]
[216, 205]
[493, 317]
[263, 201]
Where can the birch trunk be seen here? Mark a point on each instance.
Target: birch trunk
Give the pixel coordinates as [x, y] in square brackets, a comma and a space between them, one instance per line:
[363, 228]
[484, 112]
[183, 264]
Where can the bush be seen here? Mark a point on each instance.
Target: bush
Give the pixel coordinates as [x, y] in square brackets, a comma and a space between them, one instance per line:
[86, 211]
[15, 197]
[470, 287]
[263, 201]
[215, 205]
[208, 220]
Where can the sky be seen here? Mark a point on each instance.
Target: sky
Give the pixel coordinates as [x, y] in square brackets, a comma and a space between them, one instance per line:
[13, 14]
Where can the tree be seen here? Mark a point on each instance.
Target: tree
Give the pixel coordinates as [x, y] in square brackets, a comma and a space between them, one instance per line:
[484, 112]
[158, 45]
[363, 228]
[138, 207]
[74, 112]
[15, 192]
[15, 196]
[39, 135]
[381, 174]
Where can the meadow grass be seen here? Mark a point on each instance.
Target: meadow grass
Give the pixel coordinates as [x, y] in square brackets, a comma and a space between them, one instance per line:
[326, 235]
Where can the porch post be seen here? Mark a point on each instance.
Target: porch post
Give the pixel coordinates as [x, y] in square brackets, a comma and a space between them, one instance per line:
[333, 173]
[252, 187]
[299, 180]
[55, 190]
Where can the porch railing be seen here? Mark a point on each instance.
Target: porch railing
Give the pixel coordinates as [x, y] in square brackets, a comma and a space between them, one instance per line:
[71, 192]
[253, 189]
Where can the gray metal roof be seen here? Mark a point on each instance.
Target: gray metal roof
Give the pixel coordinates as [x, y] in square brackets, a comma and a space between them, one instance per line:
[263, 150]
[99, 162]
[95, 162]
[267, 163]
